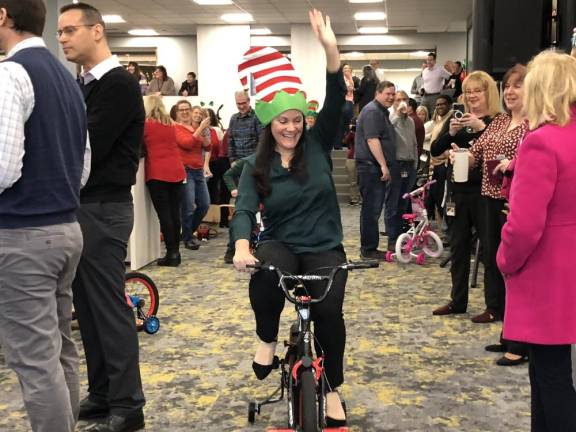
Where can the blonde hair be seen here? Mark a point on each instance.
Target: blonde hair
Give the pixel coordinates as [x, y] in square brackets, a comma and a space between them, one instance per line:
[423, 109]
[155, 110]
[489, 85]
[550, 89]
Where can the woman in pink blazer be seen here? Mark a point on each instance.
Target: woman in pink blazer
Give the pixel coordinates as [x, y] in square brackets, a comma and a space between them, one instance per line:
[536, 255]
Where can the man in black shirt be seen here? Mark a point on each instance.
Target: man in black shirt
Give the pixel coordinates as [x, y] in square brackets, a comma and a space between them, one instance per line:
[190, 86]
[376, 162]
[115, 124]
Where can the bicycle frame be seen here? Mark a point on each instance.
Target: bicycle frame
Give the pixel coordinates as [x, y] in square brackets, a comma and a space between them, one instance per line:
[299, 358]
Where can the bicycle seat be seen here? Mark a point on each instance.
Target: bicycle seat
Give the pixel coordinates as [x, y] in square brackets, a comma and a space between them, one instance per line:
[409, 217]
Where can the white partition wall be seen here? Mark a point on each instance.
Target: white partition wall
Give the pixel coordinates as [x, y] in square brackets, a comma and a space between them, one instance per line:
[220, 50]
[309, 61]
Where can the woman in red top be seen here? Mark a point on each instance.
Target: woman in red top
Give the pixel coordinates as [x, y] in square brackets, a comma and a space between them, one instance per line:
[193, 139]
[219, 164]
[164, 176]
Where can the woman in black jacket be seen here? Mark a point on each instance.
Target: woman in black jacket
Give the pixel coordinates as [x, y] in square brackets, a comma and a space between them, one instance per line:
[367, 88]
[481, 102]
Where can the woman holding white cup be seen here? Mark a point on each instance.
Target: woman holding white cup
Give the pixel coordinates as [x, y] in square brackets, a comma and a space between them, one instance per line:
[481, 104]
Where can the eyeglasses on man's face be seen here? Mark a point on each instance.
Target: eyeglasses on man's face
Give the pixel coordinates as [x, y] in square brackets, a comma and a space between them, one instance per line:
[70, 30]
[184, 110]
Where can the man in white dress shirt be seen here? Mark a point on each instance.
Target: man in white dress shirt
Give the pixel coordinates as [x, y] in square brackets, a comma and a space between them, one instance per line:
[44, 159]
[433, 77]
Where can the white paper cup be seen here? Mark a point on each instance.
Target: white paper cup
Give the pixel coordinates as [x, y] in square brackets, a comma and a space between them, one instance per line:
[461, 165]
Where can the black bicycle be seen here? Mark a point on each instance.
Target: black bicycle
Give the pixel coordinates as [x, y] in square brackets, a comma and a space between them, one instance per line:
[302, 375]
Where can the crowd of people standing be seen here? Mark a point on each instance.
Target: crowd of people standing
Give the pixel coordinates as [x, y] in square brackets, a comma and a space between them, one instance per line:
[66, 209]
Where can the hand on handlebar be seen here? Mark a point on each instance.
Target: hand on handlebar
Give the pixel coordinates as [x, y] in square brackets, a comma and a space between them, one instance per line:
[242, 259]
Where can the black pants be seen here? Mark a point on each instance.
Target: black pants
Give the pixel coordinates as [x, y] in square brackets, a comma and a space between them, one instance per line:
[468, 216]
[436, 195]
[267, 300]
[167, 198]
[107, 324]
[552, 385]
[494, 288]
[219, 193]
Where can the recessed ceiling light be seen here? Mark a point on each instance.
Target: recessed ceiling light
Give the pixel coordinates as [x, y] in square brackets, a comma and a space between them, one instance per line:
[260, 31]
[113, 19]
[143, 32]
[369, 16]
[213, 2]
[237, 17]
[373, 30]
[365, 1]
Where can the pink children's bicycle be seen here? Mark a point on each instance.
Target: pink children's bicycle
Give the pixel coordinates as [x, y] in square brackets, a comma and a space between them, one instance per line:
[419, 240]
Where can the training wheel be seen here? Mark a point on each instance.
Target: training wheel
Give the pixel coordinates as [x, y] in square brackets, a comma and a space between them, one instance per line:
[151, 325]
[421, 258]
[252, 409]
[389, 256]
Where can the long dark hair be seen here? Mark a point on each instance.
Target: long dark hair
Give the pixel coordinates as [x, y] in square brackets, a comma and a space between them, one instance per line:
[265, 154]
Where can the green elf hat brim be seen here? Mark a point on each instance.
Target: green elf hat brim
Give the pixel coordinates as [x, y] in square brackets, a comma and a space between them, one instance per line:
[267, 111]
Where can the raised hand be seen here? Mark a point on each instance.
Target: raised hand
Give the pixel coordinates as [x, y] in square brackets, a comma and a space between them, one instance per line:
[322, 29]
[325, 35]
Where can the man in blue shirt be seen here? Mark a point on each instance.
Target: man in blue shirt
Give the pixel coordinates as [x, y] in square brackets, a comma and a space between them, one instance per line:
[376, 165]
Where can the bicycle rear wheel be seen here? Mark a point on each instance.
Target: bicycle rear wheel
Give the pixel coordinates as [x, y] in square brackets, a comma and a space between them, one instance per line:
[308, 407]
[141, 286]
[403, 248]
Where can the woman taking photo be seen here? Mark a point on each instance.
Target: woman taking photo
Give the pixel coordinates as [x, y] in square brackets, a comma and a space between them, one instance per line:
[164, 175]
[493, 151]
[193, 139]
[536, 255]
[290, 176]
[134, 70]
[481, 103]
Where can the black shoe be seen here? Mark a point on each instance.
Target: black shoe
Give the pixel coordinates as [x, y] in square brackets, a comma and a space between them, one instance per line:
[495, 348]
[373, 254]
[192, 244]
[90, 410]
[333, 423]
[262, 371]
[118, 423]
[505, 361]
[229, 256]
[172, 259]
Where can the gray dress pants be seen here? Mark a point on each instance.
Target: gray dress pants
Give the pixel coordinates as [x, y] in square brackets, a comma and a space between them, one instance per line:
[37, 267]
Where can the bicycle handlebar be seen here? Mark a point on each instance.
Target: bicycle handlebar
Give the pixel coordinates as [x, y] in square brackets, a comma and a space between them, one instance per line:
[419, 190]
[283, 277]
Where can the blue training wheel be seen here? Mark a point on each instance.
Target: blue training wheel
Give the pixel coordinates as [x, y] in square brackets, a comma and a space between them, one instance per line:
[151, 325]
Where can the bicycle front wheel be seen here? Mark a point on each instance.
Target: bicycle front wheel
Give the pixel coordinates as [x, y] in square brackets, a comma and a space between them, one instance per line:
[308, 408]
[141, 286]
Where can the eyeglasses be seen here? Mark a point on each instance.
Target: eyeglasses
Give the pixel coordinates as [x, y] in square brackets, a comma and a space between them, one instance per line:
[70, 30]
[183, 110]
[474, 91]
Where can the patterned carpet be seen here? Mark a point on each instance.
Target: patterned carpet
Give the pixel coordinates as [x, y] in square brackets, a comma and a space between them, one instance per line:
[405, 369]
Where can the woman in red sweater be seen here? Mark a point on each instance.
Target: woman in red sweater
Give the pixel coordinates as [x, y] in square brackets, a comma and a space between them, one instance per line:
[164, 176]
[193, 140]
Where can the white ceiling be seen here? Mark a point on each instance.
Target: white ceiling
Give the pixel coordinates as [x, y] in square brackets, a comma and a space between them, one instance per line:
[180, 17]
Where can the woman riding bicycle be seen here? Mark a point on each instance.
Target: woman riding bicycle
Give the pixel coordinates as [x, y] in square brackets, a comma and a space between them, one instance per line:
[291, 176]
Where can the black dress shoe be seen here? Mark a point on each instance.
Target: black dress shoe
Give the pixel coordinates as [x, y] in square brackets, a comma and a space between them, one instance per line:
[495, 348]
[505, 361]
[192, 244]
[262, 371]
[90, 410]
[334, 423]
[117, 423]
[171, 259]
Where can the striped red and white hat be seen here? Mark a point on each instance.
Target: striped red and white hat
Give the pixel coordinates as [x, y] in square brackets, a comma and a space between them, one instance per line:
[269, 76]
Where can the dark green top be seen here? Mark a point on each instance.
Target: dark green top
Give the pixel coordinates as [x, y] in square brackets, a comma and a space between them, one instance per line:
[231, 175]
[303, 216]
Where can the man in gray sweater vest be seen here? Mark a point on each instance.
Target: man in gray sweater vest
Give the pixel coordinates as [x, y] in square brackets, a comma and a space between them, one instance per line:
[43, 161]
